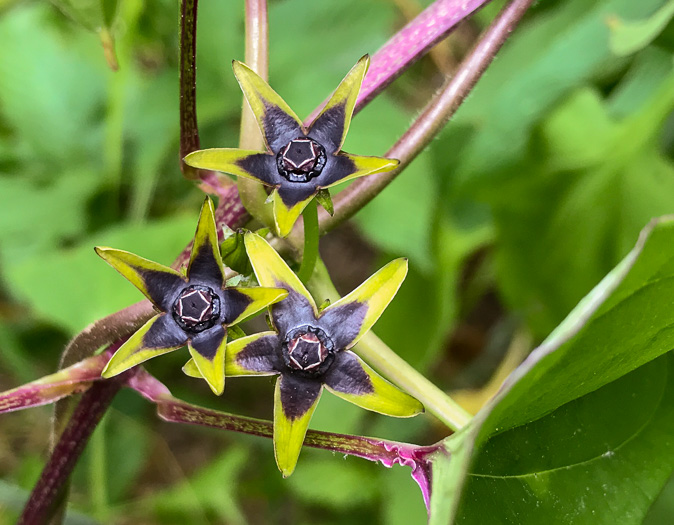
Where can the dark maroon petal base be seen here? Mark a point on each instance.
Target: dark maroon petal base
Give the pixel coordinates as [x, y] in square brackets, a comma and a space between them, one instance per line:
[294, 311]
[164, 333]
[343, 323]
[347, 375]
[208, 341]
[262, 355]
[298, 394]
[328, 128]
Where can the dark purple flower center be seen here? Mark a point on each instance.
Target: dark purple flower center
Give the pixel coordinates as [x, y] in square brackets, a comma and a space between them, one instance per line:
[308, 349]
[301, 160]
[196, 309]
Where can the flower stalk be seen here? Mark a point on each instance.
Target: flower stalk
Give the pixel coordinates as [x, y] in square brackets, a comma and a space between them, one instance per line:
[311, 234]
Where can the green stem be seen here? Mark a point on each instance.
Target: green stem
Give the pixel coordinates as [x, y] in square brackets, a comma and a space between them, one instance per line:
[311, 234]
[252, 193]
[393, 367]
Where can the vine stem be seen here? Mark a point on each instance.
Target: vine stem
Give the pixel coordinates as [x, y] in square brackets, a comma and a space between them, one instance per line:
[52, 487]
[431, 120]
[310, 253]
[252, 193]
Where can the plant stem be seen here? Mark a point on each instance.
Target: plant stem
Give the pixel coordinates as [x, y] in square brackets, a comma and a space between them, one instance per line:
[177, 411]
[310, 253]
[408, 45]
[396, 369]
[433, 118]
[393, 367]
[189, 131]
[252, 193]
[50, 489]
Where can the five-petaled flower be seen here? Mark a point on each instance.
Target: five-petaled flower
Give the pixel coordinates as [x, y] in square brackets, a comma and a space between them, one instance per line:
[300, 162]
[310, 349]
[194, 309]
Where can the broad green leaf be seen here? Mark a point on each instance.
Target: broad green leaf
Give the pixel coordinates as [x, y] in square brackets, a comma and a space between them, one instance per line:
[94, 15]
[583, 430]
[629, 36]
[558, 50]
[72, 288]
[333, 484]
[583, 197]
[212, 490]
[50, 106]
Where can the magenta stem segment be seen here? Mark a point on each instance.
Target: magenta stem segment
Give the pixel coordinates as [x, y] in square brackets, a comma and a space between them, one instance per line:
[433, 118]
[388, 453]
[409, 44]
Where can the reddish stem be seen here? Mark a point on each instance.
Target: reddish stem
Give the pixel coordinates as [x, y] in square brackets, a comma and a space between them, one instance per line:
[51, 488]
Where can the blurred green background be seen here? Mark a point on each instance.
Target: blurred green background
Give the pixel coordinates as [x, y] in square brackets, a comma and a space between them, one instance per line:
[536, 189]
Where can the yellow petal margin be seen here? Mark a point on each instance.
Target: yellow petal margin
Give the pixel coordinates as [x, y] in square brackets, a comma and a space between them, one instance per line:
[386, 398]
[377, 292]
[285, 217]
[222, 159]
[134, 351]
[212, 370]
[259, 94]
[260, 298]
[366, 166]
[270, 269]
[347, 93]
[289, 433]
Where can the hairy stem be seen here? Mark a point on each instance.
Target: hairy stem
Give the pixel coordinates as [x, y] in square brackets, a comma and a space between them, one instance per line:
[310, 253]
[432, 119]
[177, 411]
[252, 193]
[51, 488]
[189, 132]
[409, 44]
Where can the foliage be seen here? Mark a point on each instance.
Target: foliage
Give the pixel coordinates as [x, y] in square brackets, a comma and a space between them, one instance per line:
[522, 215]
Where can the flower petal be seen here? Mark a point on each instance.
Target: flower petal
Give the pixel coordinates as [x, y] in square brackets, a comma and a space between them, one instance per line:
[257, 354]
[345, 166]
[351, 379]
[242, 163]
[295, 400]
[241, 303]
[190, 369]
[271, 270]
[208, 352]
[348, 319]
[331, 125]
[278, 123]
[205, 262]
[158, 336]
[159, 283]
[289, 202]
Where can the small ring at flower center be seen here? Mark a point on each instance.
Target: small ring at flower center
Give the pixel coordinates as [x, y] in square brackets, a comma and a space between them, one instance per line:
[301, 160]
[196, 309]
[307, 349]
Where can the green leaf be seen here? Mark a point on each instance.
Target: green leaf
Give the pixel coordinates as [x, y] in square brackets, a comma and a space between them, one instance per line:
[582, 431]
[584, 196]
[629, 36]
[333, 484]
[49, 106]
[72, 288]
[91, 14]
[556, 51]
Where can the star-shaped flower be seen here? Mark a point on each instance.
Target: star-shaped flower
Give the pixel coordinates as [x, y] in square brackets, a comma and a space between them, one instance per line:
[299, 162]
[195, 309]
[309, 350]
